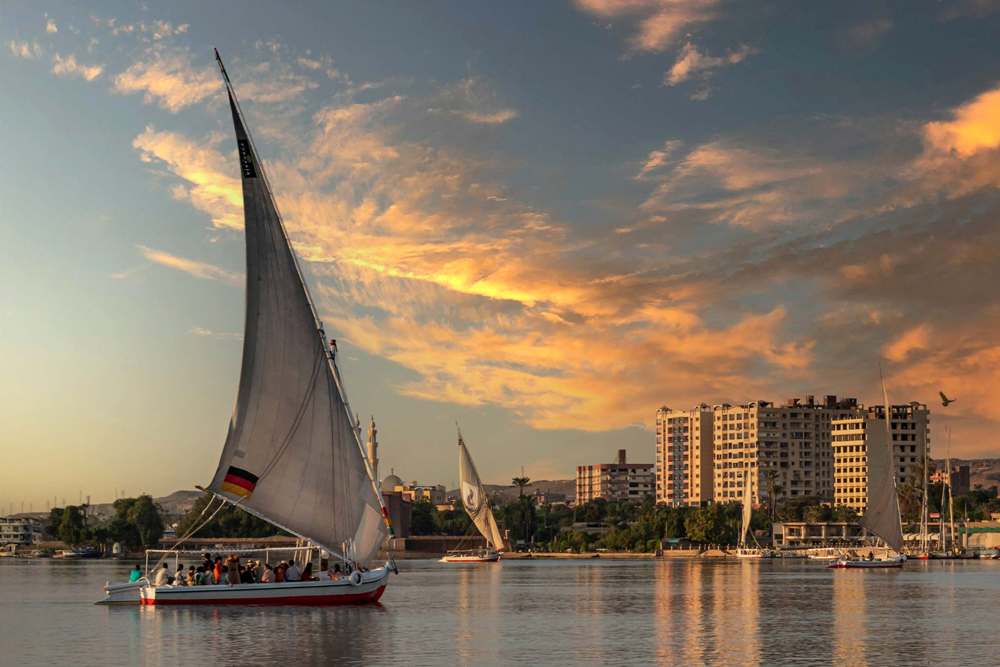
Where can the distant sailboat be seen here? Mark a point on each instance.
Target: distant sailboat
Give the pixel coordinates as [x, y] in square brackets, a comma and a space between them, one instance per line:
[477, 506]
[743, 548]
[881, 516]
[293, 456]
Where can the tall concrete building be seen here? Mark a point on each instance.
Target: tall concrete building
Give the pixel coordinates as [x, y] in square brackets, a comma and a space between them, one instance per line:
[855, 434]
[614, 481]
[787, 448]
[684, 456]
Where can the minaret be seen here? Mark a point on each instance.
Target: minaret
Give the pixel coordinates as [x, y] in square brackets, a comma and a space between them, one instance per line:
[373, 449]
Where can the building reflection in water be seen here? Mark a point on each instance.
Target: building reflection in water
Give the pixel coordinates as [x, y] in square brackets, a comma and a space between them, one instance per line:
[849, 614]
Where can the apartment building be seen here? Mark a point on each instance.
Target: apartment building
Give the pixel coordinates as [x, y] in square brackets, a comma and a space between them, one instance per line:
[614, 481]
[855, 434]
[19, 530]
[684, 456]
[786, 448]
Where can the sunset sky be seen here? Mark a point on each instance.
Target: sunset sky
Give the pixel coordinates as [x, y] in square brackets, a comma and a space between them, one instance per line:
[541, 219]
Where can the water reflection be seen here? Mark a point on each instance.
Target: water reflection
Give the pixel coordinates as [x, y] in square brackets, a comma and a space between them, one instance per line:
[849, 609]
[598, 612]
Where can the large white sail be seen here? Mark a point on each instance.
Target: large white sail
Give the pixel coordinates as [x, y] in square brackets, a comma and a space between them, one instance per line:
[882, 513]
[292, 455]
[475, 499]
[747, 507]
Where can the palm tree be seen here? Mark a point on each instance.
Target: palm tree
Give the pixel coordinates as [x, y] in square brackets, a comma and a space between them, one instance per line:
[520, 483]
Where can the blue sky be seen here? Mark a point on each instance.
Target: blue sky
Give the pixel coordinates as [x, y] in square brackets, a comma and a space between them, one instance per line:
[544, 220]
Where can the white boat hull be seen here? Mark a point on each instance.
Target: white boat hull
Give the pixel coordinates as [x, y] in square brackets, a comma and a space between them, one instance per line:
[864, 564]
[325, 592]
[480, 557]
[752, 553]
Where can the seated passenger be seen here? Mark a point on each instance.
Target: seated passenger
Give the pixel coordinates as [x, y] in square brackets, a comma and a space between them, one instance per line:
[217, 570]
[162, 576]
[267, 577]
[335, 572]
[200, 578]
[180, 579]
[233, 576]
[279, 572]
[190, 576]
[307, 573]
[135, 575]
[293, 573]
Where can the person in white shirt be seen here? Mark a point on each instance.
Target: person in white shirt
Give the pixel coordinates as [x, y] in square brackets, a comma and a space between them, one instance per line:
[267, 577]
[293, 573]
[180, 578]
[162, 576]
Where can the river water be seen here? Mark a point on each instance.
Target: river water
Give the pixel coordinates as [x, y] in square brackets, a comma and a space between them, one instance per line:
[593, 612]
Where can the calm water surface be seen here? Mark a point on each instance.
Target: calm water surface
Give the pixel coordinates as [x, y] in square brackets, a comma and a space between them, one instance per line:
[532, 613]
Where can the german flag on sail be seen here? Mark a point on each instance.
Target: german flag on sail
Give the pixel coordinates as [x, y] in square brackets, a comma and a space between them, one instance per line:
[239, 482]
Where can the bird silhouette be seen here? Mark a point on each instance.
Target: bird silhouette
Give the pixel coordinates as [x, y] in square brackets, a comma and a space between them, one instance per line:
[945, 401]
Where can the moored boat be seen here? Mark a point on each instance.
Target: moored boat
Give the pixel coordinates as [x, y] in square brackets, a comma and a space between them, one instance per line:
[476, 502]
[881, 516]
[744, 548]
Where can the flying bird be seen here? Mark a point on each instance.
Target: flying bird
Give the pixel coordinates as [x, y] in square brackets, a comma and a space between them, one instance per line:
[945, 401]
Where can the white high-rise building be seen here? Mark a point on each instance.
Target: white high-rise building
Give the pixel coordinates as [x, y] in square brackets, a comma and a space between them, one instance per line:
[684, 456]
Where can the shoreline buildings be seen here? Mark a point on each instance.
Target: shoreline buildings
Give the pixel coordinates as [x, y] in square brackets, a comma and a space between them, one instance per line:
[802, 448]
[614, 481]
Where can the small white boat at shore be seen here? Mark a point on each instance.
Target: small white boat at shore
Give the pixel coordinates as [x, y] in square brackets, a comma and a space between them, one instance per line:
[471, 556]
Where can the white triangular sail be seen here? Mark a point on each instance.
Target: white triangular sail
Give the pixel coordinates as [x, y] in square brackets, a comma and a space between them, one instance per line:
[747, 507]
[292, 455]
[882, 513]
[475, 498]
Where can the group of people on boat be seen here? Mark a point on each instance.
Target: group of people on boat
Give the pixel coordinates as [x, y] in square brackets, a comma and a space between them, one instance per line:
[232, 571]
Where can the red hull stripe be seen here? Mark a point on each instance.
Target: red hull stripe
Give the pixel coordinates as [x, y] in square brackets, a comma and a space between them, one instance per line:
[352, 598]
[239, 481]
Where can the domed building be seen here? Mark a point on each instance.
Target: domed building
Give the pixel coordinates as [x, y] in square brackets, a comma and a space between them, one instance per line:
[390, 483]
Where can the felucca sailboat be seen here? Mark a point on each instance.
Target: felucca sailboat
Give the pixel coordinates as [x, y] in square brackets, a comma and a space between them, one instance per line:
[293, 455]
[743, 549]
[477, 506]
[881, 516]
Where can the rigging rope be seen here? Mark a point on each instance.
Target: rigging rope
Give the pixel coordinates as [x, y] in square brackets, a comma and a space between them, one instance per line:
[191, 532]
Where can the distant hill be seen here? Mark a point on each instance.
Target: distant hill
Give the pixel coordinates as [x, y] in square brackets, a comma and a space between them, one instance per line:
[566, 487]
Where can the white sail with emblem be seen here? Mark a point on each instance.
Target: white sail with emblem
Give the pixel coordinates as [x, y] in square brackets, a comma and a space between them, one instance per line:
[475, 498]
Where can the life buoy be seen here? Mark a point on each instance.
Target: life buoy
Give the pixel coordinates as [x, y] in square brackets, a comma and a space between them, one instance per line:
[356, 578]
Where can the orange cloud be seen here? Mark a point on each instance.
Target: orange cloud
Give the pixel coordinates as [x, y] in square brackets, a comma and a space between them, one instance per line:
[191, 267]
[68, 66]
[974, 127]
[168, 78]
[208, 187]
[659, 22]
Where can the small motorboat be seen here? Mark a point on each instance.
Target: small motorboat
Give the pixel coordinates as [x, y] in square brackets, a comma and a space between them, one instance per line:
[471, 556]
[867, 563]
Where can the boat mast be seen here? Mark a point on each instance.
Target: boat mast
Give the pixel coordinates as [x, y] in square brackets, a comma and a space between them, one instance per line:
[331, 362]
[924, 538]
[951, 496]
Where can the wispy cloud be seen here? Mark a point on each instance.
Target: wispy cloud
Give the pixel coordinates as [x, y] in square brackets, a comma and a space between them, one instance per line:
[191, 267]
[658, 23]
[50, 26]
[167, 77]
[26, 50]
[206, 183]
[68, 66]
[693, 63]
[498, 117]
[220, 335]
